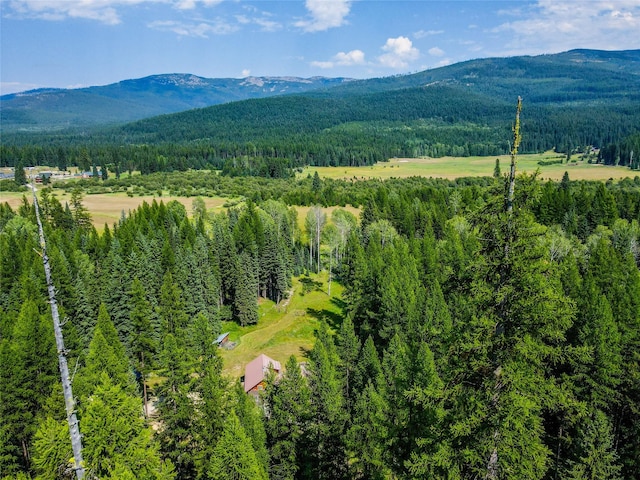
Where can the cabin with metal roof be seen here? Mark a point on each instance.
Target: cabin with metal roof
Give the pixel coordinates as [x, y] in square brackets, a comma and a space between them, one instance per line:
[256, 371]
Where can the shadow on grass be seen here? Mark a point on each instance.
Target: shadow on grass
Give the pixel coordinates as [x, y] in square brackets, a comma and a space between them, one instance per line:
[338, 302]
[305, 352]
[333, 319]
[309, 285]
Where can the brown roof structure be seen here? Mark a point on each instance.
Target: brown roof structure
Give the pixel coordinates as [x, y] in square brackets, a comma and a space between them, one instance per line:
[256, 371]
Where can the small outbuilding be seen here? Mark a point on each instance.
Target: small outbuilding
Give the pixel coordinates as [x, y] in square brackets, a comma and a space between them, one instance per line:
[222, 339]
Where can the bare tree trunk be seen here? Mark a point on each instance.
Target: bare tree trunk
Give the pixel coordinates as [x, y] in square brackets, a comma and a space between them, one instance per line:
[514, 153]
[144, 386]
[72, 419]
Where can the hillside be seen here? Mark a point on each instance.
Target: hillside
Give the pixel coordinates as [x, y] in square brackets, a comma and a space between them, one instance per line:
[131, 100]
[573, 102]
[571, 99]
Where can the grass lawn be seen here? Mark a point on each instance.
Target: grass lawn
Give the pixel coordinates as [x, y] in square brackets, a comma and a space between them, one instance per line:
[455, 167]
[284, 330]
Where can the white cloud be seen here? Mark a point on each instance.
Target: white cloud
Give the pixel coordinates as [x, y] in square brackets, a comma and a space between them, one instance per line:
[426, 33]
[246, 72]
[325, 14]
[558, 25]
[197, 29]
[324, 65]
[264, 22]
[400, 51]
[343, 59]
[191, 4]
[436, 52]
[104, 11]
[354, 57]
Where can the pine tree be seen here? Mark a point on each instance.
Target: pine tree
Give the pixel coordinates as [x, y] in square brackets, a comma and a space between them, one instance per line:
[245, 302]
[233, 455]
[172, 312]
[19, 176]
[496, 169]
[106, 355]
[348, 348]
[142, 343]
[115, 434]
[251, 419]
[176, 409]
[368, 434]
[596, 457]
[329, 416]
[288, 403]
[27, 379]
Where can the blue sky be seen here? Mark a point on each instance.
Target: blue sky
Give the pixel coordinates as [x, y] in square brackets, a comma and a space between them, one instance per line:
[74, 43]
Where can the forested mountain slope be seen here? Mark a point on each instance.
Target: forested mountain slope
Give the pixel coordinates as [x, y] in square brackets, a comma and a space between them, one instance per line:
[573, 102]
[129, 100]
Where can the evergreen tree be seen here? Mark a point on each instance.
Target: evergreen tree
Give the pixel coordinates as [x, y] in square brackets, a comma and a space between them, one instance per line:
[19, 176]
[251, 419]
[177, 409]
[519, 323]
[114, 434]
[245, 303]
[329, 416]
[288, 405]
[496, 169]
[172, 312]
[233, 455]
[106, 355]
[368, 434]
[348, 348]
[596, 457]
[27, 379]
[142, 343]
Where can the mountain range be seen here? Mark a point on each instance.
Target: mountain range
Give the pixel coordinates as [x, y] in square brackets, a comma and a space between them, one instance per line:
[129, 100]
[605, 84]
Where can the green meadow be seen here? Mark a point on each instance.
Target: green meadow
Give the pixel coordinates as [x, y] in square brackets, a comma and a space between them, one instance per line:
[286, 328]
[455, 167]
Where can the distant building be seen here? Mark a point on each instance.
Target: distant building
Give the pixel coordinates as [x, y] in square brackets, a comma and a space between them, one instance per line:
[256, 371]
[43, 177]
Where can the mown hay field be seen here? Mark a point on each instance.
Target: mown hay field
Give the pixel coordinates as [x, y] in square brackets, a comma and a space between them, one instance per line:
[456, 167]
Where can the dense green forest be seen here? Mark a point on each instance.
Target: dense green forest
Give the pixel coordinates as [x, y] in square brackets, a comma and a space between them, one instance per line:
[270, 137]
[574, 102]
[475, 343]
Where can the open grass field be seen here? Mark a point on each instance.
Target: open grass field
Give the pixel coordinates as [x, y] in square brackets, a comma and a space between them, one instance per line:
[108, 207]
[285, 329]
[455, 167]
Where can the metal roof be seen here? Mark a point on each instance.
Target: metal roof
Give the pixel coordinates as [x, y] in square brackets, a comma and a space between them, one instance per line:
[257, 369]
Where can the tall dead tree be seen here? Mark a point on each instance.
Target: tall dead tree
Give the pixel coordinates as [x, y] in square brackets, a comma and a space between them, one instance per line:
[72, 419]
[492, 463]
[514, 153]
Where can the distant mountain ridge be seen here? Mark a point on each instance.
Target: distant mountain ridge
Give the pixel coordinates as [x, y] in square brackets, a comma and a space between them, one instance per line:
[584, 78]
[129, 100]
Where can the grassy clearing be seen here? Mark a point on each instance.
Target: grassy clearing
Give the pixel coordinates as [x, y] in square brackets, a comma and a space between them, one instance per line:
[284, 330]
[455, 167]
[302, 213]
[108, 207]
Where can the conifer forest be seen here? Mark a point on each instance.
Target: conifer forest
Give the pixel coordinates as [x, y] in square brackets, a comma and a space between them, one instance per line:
[490, 329]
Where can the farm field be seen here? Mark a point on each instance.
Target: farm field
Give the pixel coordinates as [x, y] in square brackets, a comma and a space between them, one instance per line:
[455, 167]
[285, 329]
[108, 207]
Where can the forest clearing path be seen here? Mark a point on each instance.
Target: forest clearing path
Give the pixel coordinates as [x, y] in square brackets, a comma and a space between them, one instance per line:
[282, 330]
